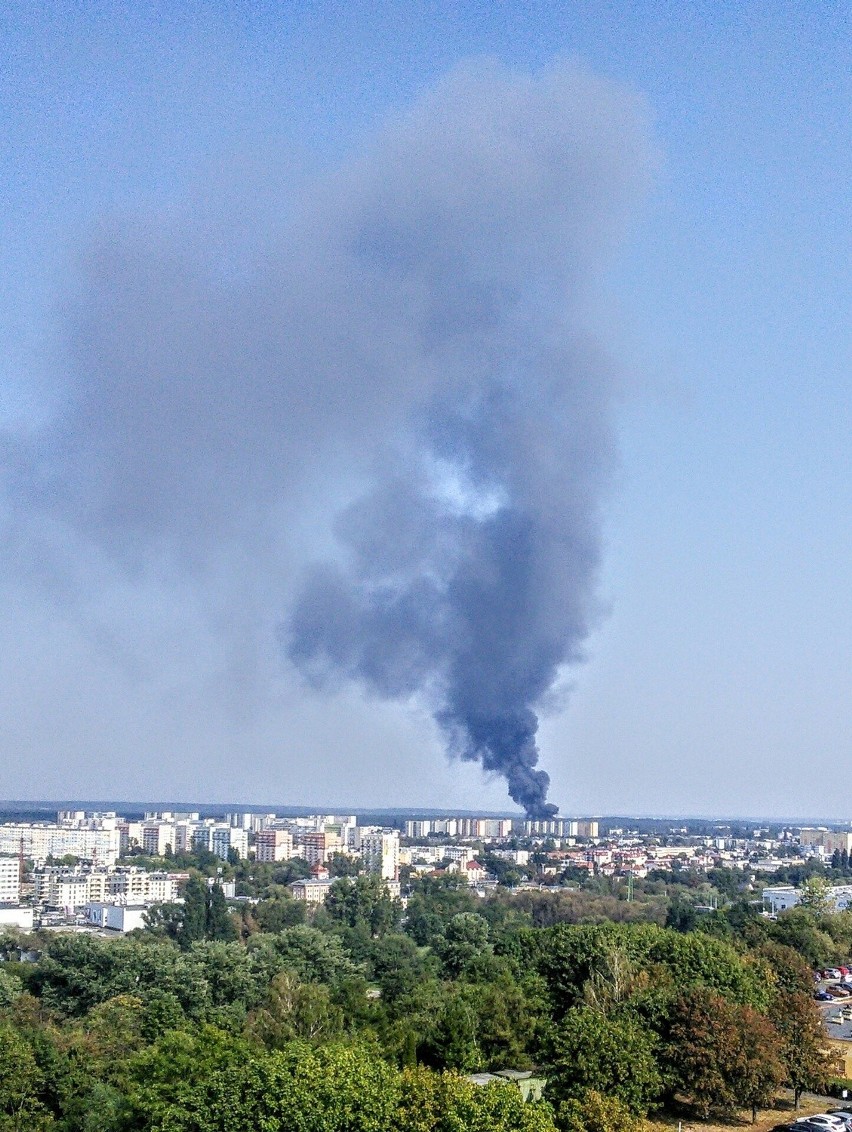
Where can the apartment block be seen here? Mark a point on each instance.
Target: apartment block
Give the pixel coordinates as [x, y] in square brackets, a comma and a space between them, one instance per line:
[273, 845]
[380, 852]
[10, 880]
[826, 839]
[40, 840]
[74, 888]
[158, 838]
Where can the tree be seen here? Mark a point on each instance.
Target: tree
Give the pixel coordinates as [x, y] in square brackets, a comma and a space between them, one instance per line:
[314, 956]
[331, 1088]
[596, 1112]
[808, 1064]
[114, 1029]
[20, 1083]
[363, 901]
[219, 924]
[466, 937]
[164, 1081]
[722, 1055]
[587, 1050]
[446, 1102]
[452, 1041]
[398, 965]
[193, 920]
[799, 928]
[815, 896]
[293, 1009]
[279, 912]
[760, 1067]
[433, 904]
[681, 915]
[10, 988]
[342, 865]
[78, 972]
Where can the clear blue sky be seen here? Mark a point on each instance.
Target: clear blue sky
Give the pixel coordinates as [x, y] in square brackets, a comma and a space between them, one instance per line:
[721, 679]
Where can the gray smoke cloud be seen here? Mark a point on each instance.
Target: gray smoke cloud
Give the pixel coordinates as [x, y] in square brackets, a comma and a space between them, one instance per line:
[399, 355]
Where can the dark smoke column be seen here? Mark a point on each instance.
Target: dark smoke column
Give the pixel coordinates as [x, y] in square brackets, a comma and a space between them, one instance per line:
[468, 564]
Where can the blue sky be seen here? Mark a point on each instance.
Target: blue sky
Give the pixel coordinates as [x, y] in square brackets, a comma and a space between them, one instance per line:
[719, 681]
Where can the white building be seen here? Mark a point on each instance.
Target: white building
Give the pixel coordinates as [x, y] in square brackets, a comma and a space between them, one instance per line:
[273, 845]
[129, 835]
[514, 856]
[417, 829]
[40, 840]
[380, 852]
[313, 890]
[782, 896]
[74, 888]
[158, 838]
[447, 827]
[220, 840]
[15, 916]
[10, 880]
[121, 918]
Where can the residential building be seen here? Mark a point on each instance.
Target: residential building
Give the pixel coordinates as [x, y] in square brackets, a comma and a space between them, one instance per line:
[158, 838]
[40, 840]
[10, 880]
[826, 839]
[121, 918]
[130, 836]
[273, 845]
[380, 852]
[416, 829]
[74, 888]
[16, 916]
[313, 890]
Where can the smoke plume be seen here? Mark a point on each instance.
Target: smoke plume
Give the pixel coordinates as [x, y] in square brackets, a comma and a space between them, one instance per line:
[390, 375]
[468, 566]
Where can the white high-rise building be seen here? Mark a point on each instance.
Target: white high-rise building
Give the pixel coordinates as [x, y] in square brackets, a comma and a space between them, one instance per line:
[273, 845]
[380, 852]
[223, 838]
[158, 837]
[40, 840]
[418, 829]
[74, 888]
[10, 880]
[240, 842]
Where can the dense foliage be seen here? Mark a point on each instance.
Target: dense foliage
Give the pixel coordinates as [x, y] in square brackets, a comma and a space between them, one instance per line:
[367, 1017]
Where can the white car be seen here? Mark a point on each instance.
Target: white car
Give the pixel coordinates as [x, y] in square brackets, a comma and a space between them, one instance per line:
[844, 1115]
[823, 1120]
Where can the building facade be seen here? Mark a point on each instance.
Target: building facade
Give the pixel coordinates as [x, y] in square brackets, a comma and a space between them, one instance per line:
[10, 880]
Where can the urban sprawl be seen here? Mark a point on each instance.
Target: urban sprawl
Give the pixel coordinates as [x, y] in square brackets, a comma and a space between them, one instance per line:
[79, 871]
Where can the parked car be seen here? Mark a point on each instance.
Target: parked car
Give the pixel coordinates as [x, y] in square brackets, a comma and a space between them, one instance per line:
[844, 1115]
[823, 996]
[822, 1120]
[832, 973]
